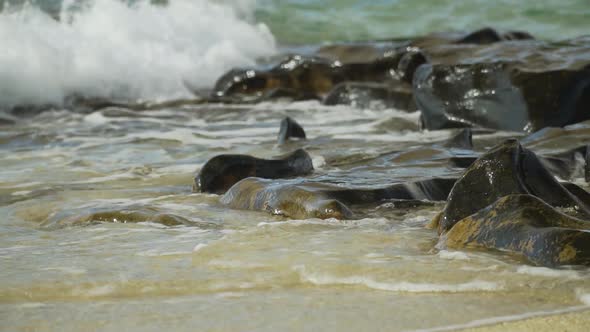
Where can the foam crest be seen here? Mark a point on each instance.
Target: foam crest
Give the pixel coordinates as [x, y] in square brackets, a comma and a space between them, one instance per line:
[114, 50]
[401, 286]
[539, 271]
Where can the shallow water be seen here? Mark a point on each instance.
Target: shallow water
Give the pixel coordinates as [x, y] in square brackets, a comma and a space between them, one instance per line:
[99, 228]
[209, 268]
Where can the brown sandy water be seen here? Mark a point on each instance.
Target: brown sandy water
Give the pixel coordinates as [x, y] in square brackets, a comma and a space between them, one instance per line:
[160, 257]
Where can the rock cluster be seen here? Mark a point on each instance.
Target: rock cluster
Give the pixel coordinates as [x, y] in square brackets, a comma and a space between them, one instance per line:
[506, 198]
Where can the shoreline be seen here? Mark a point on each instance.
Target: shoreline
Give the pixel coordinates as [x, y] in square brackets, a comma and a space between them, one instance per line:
[575, 318]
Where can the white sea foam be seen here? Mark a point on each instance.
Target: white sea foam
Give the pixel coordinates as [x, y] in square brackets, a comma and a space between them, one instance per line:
[156, 253]
[116, 50]
[453, 255]
[199, 246]
[399, 286]
[583, 296]
[95, 291]
[66, 269]
[547, 272]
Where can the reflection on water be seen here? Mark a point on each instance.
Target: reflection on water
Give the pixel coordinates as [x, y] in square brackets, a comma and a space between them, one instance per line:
[99, 222]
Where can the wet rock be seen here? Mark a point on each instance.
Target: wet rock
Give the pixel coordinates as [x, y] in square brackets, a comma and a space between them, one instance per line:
[310, 76]
[290, 129]
[526, 225]
[506, 169]
[469, 96]
[293, 201]
[371, 95]
[518, 86]
[223, 171]
[462, 140]
[301, 200]
[92, 216]
[409, 62]
[489, 35]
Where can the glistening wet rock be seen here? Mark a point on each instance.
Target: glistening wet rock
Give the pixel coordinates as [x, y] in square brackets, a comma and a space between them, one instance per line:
[506, 169]
[223, 171]
[526, 225]
[290, 129]
[310, 76]
[518, 86]
[302, 200]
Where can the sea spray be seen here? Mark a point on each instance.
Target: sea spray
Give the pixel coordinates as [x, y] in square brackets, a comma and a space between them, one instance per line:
[112, 49]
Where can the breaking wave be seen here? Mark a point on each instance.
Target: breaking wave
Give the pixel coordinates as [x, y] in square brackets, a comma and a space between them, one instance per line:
[121, 50]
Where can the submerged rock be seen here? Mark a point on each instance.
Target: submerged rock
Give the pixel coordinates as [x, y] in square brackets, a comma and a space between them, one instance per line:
[506, 169]
[302, 200]
[293, 201]
[526, 225]
[91, 216]
[290, 129]
[223, 171]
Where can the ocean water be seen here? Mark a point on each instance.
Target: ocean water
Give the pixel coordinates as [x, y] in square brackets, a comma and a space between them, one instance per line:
[99, 229]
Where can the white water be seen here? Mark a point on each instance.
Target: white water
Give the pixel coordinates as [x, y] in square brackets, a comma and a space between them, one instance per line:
[113, 50]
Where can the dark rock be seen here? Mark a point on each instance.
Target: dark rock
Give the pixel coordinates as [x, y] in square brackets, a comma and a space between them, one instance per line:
[463, 140]
[409, 62]
[290, 129]
[517, 35]
[482, 36]
[506, 169]
[468, 96]
[518, 86]
[489, 36]
[526, 225]
[223, 171]
[293, 201]
[301, 200]
[312, 77]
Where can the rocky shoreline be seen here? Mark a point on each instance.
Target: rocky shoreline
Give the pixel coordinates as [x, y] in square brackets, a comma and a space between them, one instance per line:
[507, 198]
[504, 197]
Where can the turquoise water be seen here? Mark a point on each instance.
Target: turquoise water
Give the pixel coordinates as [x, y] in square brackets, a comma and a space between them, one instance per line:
[312, 21]
[295, 21]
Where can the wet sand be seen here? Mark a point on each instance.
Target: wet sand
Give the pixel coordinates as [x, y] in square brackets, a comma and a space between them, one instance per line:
[571, 322]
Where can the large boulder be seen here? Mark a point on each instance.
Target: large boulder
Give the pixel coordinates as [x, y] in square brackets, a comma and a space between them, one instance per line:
[506, 169]
[525, 225]
[519, 86]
